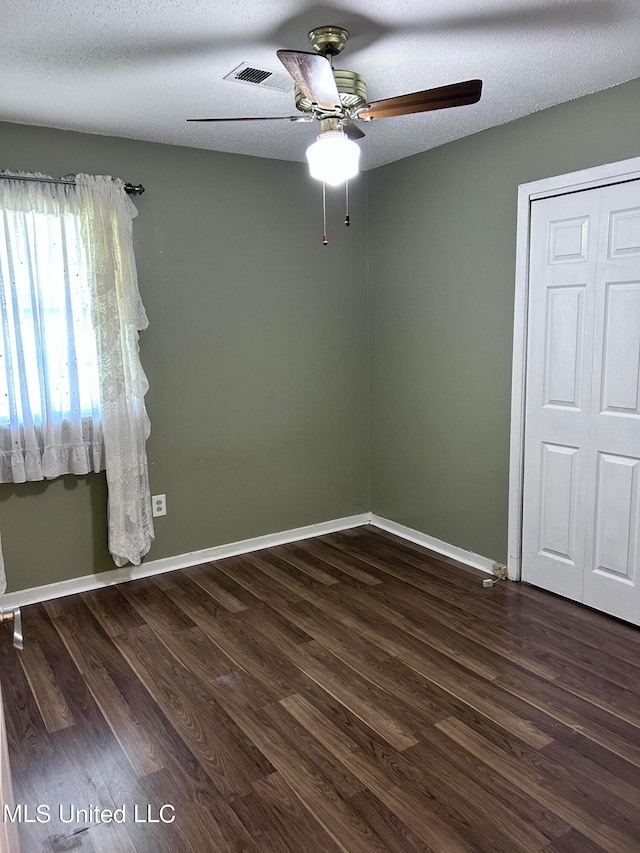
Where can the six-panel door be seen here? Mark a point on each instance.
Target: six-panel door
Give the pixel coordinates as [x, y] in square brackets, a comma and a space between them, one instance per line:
[581, 513]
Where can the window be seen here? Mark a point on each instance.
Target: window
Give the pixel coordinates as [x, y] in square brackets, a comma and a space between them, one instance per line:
[50, 412]
[46, 312]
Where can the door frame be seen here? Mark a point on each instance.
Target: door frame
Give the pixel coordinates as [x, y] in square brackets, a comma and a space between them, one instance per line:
[9, 841]
[585, 179]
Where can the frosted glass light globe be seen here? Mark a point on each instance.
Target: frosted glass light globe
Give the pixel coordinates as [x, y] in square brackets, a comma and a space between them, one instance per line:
[333, 158]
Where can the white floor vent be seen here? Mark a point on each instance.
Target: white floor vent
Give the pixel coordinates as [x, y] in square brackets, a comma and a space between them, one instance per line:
[246, 72]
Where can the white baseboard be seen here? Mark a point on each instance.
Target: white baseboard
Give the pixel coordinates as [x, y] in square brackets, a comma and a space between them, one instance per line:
[23, 597]
[181, 561]
[467, 557]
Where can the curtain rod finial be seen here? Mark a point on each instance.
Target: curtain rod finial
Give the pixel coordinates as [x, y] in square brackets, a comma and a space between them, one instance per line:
[134, 189]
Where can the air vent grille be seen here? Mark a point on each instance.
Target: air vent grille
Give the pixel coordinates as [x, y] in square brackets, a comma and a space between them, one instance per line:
[248, 72]
[253, 75]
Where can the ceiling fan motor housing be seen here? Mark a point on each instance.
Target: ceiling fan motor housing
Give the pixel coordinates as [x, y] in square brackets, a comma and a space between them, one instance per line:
[329, 41]
[352, 89]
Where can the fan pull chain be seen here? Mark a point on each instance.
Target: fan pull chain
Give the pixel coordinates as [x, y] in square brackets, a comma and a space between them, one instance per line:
[347, 221]
[324, 214]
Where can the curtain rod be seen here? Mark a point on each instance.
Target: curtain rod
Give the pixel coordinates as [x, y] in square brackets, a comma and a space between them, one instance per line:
[132, 189]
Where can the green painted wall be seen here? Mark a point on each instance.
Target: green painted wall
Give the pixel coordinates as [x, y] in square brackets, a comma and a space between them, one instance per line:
[442, 253]
[257, 349]
[256, 355]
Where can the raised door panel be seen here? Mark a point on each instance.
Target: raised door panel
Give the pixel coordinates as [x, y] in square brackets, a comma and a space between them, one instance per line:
[613, 553]
[569, 240]
[564, 346]
[624, 232]
[620, 377]
[558, 495]
[617, 517]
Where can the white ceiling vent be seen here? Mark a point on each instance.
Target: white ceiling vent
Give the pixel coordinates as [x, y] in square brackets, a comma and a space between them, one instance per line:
[246, 72]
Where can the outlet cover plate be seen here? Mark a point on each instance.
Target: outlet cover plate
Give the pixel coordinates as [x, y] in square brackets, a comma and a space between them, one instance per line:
[158, 505]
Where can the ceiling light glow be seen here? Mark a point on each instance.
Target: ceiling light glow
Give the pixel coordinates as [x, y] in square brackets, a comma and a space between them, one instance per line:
[333, 158]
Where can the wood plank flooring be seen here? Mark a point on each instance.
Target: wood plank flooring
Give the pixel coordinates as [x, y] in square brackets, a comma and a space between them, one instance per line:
[349, 693]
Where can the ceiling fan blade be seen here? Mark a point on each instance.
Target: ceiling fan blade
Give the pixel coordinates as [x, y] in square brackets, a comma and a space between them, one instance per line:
[352, 131]
[314, 75]
[256, 118]
[455, 95]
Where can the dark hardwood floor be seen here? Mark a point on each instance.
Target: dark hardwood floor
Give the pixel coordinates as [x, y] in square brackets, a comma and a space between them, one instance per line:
[352, 692]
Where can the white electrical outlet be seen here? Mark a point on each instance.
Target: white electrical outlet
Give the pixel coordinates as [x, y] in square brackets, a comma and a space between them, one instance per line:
[158, 505]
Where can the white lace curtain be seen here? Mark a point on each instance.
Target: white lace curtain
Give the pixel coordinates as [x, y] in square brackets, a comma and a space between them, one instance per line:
[71, 384]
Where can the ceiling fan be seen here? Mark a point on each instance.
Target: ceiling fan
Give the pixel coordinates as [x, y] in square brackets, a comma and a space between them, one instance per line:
[338, 100]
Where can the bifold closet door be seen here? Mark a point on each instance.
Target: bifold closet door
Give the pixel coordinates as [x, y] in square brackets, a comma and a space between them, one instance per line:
[581, 512]
[611, 581]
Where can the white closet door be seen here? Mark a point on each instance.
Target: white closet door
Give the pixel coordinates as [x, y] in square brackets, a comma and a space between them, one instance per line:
[562, 280]
[581, 513]
[611, 580]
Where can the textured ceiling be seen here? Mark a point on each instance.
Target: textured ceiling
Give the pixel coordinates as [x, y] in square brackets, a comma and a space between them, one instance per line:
[139, 68]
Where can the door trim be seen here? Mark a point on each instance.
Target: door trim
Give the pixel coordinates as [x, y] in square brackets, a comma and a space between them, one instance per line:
[585, 179]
